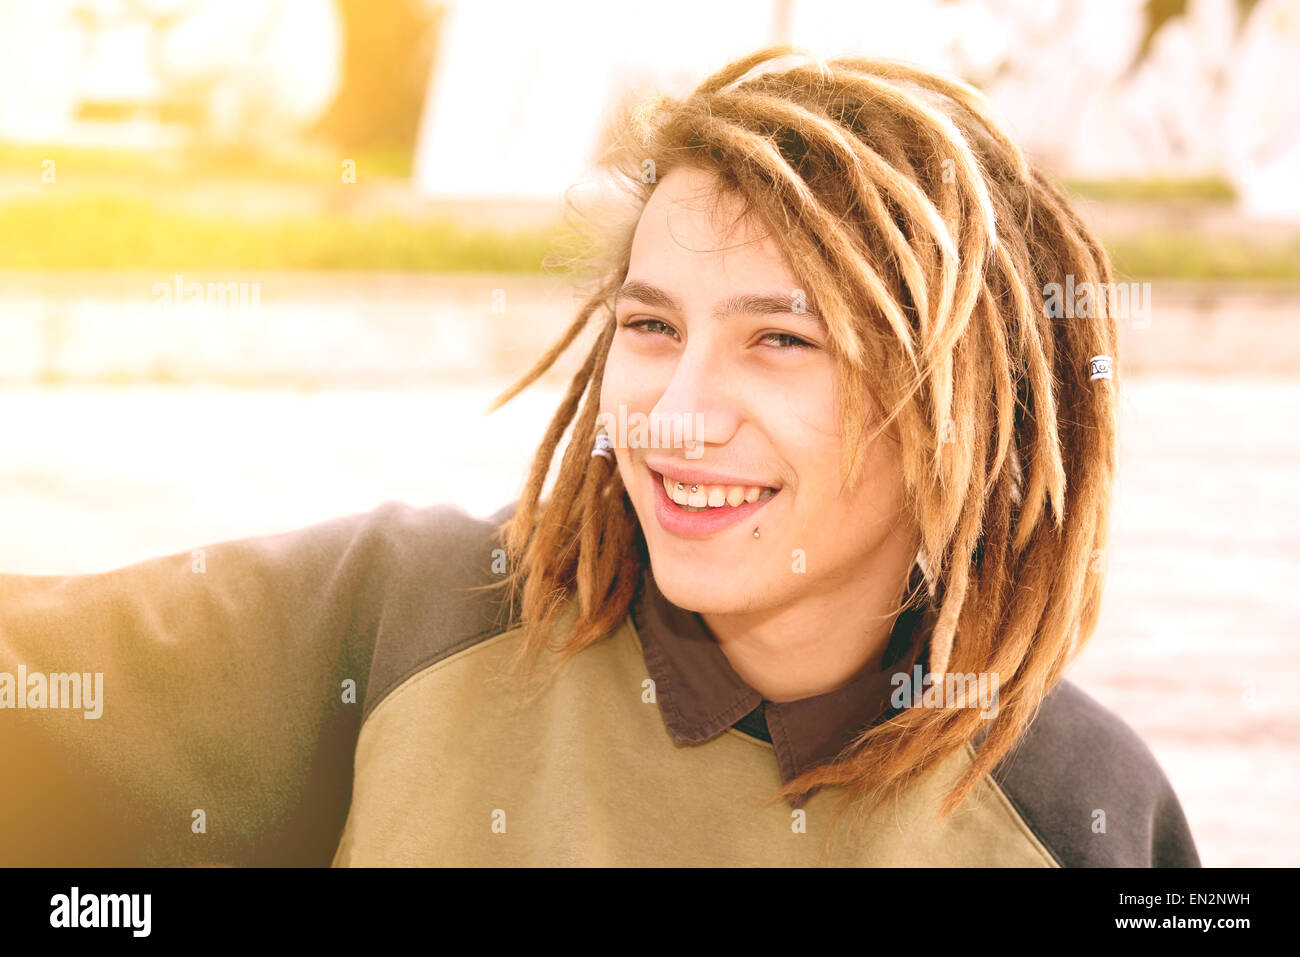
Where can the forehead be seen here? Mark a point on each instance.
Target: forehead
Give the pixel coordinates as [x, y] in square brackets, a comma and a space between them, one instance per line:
[689, 224]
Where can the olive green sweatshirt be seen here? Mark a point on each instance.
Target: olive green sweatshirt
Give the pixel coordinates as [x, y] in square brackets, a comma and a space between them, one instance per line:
[342, 694]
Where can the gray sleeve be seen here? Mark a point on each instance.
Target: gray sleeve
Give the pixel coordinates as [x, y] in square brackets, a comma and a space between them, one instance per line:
[445, 599]
[1091, 790]
[225, 690]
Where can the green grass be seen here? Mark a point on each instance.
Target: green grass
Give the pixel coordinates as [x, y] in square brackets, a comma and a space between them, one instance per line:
[110, 231]
[130, 233]
[1172, 255]
[1203, 189]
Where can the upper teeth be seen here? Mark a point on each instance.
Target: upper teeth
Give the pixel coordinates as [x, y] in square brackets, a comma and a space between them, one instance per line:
[713, 496]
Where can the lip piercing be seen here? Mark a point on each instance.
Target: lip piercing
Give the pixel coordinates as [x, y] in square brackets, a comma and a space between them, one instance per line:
[756, 533]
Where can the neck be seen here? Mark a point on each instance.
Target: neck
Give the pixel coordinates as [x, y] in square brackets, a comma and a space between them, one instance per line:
[817, 644]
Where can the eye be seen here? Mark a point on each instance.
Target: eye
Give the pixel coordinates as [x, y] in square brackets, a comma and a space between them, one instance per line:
[653, 327]
[784, 341]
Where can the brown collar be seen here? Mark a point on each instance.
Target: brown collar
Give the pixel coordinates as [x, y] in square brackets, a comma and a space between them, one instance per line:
[700, 695]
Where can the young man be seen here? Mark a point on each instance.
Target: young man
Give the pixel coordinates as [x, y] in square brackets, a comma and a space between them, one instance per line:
[823, 540]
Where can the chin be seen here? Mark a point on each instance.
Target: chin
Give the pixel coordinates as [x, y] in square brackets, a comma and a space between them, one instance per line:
[704, 590]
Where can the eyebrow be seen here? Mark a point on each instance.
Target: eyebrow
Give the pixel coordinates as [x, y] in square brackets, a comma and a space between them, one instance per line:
[745, 304]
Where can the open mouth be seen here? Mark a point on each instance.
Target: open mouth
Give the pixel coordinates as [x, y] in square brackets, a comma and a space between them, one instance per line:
[701, 497]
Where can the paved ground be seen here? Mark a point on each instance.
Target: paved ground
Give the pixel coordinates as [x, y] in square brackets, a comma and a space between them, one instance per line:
[276, 328]
[1196, 648]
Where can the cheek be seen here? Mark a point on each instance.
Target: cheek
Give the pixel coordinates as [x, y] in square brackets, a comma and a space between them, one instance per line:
[629, 381]
[850, 517]
[624, 392]
[874, 508]
[804, 425]
[613, 379]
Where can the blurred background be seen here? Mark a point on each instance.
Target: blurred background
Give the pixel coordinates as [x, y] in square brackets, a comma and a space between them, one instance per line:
[265, 262]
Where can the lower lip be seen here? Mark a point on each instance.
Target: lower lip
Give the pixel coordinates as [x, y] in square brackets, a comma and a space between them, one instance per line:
[677, 521]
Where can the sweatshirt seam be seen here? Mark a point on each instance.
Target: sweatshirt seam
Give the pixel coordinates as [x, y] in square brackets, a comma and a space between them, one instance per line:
[1036, 840]
[476, 643]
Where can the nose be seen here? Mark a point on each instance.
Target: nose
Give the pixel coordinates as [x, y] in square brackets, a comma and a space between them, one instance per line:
[697, 408]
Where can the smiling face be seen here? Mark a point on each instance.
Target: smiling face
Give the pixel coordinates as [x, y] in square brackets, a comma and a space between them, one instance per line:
[714, 339]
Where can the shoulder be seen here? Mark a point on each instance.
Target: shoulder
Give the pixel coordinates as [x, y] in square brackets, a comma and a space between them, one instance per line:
[1091, 790]
[433, 572]
[443, 541]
